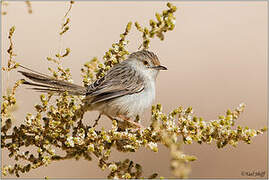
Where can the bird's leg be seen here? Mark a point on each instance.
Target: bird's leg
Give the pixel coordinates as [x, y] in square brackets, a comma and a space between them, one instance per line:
[129, 120]
[96, 121]
[126, 119]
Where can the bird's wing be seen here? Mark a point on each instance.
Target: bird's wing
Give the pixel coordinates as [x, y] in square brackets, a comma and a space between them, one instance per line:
[119, 81]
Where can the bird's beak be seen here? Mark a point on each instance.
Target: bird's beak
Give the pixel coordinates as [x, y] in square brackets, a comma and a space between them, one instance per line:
[159, 67]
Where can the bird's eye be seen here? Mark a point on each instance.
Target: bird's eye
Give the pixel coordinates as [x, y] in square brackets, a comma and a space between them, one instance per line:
[145, 62]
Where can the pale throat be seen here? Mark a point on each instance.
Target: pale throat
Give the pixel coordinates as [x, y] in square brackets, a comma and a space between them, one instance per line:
[148, 75]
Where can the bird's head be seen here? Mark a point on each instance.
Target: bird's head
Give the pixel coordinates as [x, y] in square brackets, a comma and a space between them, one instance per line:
[147, 61]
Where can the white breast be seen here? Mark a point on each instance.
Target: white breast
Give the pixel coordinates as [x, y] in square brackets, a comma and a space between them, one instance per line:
[134, 104]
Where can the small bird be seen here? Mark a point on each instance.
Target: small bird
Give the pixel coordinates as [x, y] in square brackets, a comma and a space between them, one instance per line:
[124, 92]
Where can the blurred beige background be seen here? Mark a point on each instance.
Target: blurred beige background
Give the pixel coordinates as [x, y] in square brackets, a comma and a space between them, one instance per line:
[216, 56]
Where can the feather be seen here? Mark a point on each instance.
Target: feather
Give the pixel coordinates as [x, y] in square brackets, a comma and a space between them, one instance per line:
[50, 84]
[119, 81]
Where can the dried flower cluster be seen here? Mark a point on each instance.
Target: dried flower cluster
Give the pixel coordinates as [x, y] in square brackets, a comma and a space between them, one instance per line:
[94, 69]
[61, 72]
[5, 4]
[57, 123]
[11, 64]
[29, 6]
[165, 22]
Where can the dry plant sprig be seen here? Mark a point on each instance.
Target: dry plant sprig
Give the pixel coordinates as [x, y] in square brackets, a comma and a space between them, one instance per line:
[29, 6]
[9, 100]
[94, 69]
[89, 71]
[11, 64]
[65, 26]
[61, 72]
[58, 126]
[116, 54]
[4, 5]
[164, 22]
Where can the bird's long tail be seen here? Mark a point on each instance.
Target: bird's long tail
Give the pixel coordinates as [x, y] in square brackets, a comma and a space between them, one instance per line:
[44, 83]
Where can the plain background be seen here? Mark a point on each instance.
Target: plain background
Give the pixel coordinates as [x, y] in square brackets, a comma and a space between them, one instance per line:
[216, 56]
